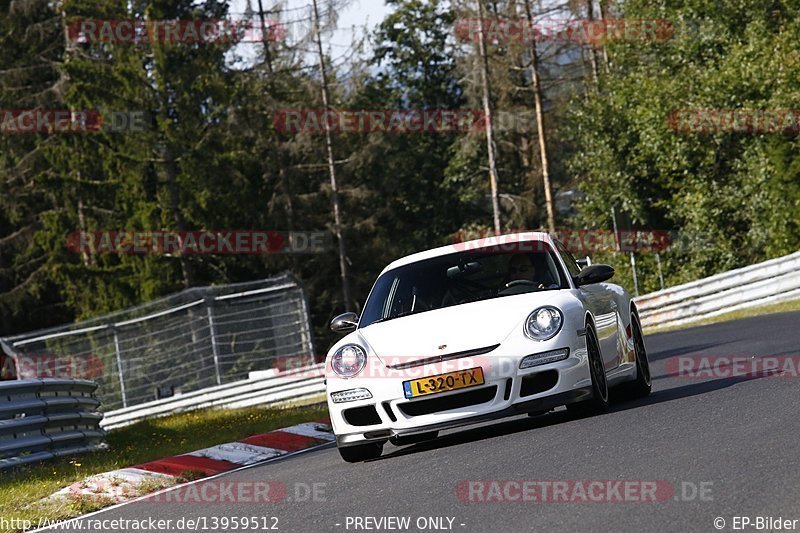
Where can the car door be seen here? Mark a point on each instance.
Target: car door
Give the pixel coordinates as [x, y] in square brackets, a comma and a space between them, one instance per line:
[600, 302]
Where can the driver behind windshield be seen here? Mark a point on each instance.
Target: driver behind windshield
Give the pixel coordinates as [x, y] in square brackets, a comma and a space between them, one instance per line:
[521, 267]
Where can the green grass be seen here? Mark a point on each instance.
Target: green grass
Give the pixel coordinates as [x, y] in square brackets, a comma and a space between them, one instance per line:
[22, 489]
[782, 307]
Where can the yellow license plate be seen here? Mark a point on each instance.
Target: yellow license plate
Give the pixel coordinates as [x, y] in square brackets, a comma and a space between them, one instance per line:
[460, 379]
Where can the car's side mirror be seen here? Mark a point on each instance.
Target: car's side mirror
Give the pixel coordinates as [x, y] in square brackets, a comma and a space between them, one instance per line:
[344, 323]
[594, 274]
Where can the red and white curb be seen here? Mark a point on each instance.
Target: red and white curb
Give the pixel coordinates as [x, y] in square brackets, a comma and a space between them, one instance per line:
[126, 484]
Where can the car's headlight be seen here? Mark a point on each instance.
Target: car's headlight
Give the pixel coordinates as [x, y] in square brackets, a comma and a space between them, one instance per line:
[349, 360]
[543, 323]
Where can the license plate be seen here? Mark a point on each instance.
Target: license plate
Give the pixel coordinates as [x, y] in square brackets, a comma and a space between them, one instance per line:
[460, 379]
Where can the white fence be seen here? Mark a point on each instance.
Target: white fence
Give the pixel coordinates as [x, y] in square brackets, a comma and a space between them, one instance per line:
[202, 337]
[772, 281]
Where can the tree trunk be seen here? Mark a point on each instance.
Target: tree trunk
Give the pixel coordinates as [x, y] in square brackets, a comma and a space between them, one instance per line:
[265, 39]
[592, 49]
[85, 256]
[603, 11]
[171, 168]
[487, 112]
[537, 99]
[285, 186]
[337, 217]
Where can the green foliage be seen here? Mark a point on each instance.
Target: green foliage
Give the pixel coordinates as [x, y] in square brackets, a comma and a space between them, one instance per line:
[737, 192]
[211, 158]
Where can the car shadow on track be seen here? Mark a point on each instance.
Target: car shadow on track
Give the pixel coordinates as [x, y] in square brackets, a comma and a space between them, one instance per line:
[684, 391]
[692, 349]
[494, 430]
[517, 425]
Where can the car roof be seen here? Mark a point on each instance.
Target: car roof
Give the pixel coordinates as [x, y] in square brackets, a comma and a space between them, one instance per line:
[474, 244]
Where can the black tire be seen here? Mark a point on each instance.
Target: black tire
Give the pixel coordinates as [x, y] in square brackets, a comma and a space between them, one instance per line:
[361, 452]
[599, 401]
[403, 440]
[642, 385]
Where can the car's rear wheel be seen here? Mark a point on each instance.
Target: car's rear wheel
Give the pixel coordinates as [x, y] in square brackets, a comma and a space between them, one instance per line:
[642, 385]
[599, 400]
[361, 452]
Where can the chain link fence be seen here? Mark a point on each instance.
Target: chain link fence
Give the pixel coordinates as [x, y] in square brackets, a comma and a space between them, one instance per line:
[198, 338]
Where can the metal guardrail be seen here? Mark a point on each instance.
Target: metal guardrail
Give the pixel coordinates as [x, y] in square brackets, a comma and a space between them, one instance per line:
[263, 388]
[772, 281]
[46, 418]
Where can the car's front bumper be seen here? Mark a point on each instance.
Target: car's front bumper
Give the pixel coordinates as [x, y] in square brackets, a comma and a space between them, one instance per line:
[508, 390]
[544, 403]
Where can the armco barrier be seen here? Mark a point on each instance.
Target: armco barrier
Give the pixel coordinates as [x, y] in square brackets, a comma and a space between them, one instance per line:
[772, 281]
[263, 388]
[45, 418]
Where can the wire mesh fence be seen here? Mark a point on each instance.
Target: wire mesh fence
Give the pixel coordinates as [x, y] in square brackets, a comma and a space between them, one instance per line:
[198, 338]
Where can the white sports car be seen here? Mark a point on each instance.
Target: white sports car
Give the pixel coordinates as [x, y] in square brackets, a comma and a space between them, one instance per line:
[480, 330]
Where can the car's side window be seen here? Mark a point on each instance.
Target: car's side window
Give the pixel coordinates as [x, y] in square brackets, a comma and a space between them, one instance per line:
[569, 260]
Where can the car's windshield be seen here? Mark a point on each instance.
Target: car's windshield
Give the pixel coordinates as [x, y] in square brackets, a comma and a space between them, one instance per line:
[462, 277]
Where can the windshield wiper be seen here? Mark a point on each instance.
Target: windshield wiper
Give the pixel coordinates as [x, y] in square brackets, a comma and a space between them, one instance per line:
[398, 315]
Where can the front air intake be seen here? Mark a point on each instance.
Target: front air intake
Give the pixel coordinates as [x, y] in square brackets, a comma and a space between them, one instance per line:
[447, 403]
[366, 415]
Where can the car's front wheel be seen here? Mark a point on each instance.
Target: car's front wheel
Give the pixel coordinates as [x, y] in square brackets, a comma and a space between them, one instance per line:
[361, 452]
[599, 400]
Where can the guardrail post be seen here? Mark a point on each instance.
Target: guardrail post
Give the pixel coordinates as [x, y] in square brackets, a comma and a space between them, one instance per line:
[119, 366]
[635, 276]
[305, 330]
[213, 332]
[660, 272]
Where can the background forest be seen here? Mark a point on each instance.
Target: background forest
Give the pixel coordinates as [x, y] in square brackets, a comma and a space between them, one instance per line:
[591, 132]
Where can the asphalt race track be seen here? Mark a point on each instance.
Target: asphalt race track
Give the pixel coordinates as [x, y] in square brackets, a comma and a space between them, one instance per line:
[728, 446]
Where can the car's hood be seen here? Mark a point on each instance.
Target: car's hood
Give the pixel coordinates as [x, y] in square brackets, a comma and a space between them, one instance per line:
[452, 329]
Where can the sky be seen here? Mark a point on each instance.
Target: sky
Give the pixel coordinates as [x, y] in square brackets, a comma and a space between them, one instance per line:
[357, 16]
